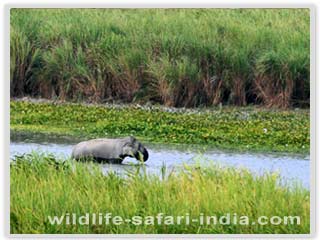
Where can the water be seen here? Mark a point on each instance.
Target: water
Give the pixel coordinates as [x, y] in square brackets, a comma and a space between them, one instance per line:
[291, 168]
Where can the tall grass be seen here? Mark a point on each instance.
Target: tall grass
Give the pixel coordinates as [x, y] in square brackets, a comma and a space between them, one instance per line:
[176, 57]
[40, 186]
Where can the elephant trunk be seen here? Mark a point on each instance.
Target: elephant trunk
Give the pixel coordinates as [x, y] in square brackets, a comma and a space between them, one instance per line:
[142, 154]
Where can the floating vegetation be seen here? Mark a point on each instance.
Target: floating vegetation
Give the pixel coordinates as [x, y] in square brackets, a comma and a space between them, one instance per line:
[229, 128]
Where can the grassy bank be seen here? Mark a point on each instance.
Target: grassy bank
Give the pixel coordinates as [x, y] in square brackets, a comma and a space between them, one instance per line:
[40, 188]
[229, 128]
[176, 57]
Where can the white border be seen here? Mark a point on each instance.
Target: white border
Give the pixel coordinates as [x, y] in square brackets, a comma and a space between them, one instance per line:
[4, 86]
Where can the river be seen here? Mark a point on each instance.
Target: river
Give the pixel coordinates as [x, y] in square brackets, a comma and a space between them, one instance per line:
[292, 168]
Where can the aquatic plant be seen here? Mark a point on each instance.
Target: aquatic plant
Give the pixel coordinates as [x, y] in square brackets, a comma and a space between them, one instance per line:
[231, 128]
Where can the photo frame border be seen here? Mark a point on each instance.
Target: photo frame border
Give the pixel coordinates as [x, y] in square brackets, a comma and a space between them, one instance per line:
[6, 108]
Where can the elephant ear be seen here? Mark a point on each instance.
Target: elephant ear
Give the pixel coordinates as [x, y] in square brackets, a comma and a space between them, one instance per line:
[127, 150]
[132, 139]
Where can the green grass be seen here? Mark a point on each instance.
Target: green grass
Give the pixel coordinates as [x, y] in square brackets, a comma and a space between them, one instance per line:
[41, 186]
[176, 57]
[229, 128]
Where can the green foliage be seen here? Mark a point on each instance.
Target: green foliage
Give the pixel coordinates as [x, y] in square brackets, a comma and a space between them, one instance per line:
[38, 190]
[176, 57]
[231, 128]
[25, 58]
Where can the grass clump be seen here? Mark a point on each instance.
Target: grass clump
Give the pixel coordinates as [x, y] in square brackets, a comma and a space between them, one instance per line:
[230, 128]
[175, 57]
[39, 189]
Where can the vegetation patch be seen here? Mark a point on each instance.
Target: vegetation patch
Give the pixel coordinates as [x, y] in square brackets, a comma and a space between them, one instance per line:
[175, 57]
[42, 186]
[229, 128]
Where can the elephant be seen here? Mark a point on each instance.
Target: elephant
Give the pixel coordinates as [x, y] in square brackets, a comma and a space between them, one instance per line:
[109, 150]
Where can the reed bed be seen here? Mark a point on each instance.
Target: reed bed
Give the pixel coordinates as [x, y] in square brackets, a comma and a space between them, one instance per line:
[175, 57]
